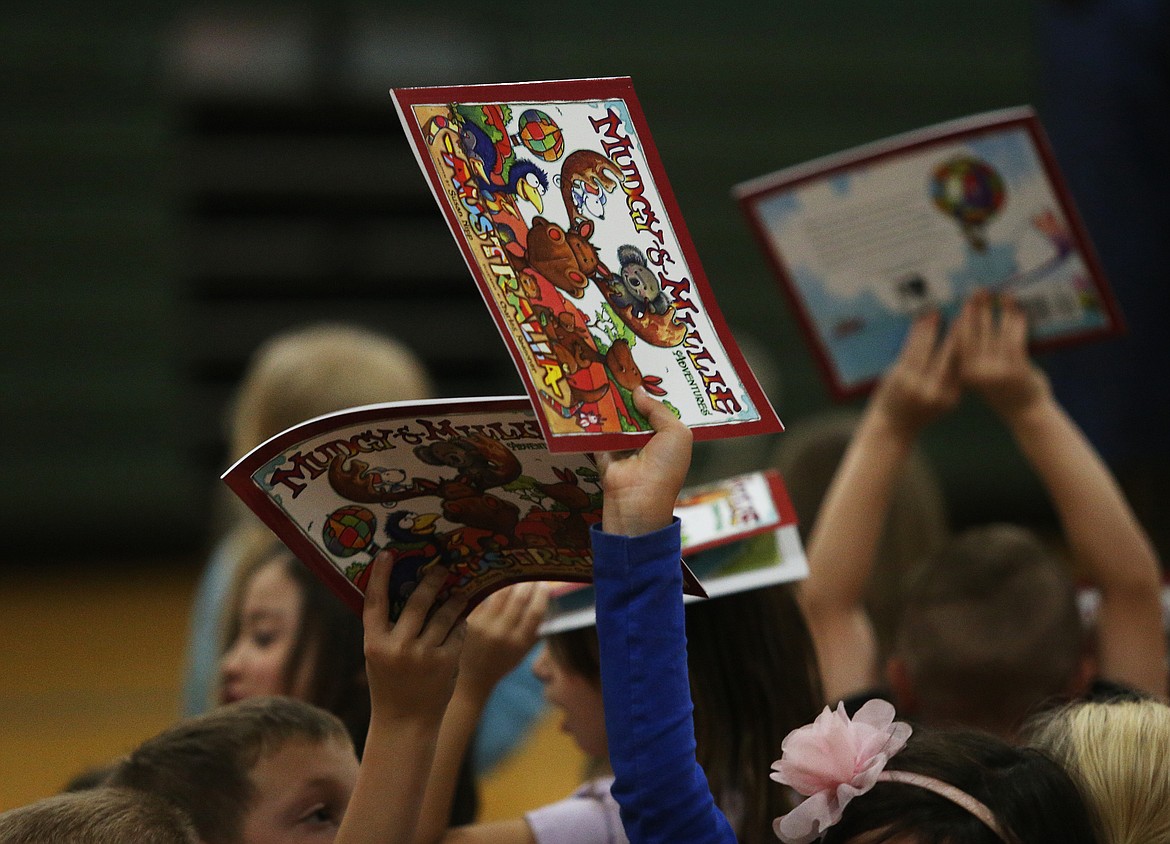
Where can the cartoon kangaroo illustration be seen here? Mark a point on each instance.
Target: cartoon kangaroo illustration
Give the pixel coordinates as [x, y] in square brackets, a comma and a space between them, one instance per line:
[572, 345]
[572, 529]
[622, 370]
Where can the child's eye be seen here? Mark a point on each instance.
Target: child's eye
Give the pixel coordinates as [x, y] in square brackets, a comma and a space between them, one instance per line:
[263, 638]
[320, 815]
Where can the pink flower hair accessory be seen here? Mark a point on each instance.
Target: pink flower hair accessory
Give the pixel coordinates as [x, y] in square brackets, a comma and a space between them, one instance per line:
[831, 761]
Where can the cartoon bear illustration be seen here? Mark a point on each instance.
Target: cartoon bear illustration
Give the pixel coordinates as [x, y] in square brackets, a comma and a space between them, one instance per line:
[564, 257]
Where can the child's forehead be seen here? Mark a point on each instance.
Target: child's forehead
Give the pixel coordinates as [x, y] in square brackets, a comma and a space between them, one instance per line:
[302, 758]
[271, 587]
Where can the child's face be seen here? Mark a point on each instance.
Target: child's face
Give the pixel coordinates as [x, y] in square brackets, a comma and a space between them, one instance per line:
[301, 792]
[578, 698]
[270, 613]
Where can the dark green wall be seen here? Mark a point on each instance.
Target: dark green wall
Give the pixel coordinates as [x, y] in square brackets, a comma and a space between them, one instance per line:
[109, 402]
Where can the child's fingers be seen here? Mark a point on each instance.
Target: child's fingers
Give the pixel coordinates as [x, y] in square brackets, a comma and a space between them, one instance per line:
[974, 329]
[984, 321]
[456, 636]
[414, 615]
[511, 606]
[446, 617]
[943, 364]
[671, 435]
[919, 343]
[1013, 324]
[658, 413]
[963, 330]
[534, 611]
[376, 604]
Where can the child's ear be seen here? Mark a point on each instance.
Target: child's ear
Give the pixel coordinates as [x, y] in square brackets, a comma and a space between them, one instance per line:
[901, 685]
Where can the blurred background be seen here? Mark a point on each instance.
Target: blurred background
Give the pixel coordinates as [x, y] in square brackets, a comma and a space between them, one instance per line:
[182, 179]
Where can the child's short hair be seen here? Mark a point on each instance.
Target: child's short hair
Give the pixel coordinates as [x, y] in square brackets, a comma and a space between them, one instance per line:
[1117, 752]
[202, 764]
[990, 630]
[1030, 796]
[98, 816]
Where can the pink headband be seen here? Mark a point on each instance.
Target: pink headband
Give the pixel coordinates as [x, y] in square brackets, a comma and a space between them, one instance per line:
[950, 792]
[835, 759]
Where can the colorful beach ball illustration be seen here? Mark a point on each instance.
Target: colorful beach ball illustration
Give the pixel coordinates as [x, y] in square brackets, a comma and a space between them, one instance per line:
[541, 135]
[970, 191]
[349, 530]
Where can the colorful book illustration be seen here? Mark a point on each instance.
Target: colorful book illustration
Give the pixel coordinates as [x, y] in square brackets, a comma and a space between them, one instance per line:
[468, 484]
[737, 534]
[863, 240]
[557, 199]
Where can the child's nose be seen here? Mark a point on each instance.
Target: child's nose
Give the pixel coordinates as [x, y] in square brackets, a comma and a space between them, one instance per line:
[231, 662]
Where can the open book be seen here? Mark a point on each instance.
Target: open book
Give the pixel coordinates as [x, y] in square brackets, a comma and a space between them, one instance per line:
[738, 533]
[467, 484]
[865, 239]
[559, 203]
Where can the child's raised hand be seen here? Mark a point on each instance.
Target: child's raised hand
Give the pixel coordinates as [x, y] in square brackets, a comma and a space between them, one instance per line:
[500, 631]
[641, 487]
[411, 664]
[993, 355]
[923, 383]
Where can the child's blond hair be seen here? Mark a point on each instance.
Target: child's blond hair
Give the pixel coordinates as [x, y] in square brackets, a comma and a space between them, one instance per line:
[1119, 753]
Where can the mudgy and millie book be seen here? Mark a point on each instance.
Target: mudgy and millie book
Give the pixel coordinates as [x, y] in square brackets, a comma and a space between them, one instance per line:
[863, 240]
[466, 484]
[560, 205]
[738, 533]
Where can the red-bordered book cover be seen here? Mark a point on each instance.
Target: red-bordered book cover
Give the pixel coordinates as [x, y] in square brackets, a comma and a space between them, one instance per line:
[557, 198]
[467, 484]
[863, 240]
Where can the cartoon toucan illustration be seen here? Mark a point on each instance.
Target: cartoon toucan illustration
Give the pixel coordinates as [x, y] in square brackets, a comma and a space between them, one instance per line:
[496, 166]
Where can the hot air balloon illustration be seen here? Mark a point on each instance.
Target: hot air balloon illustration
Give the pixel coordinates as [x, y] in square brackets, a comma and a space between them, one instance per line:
[971, 191]
[349, 530]
[540, 135]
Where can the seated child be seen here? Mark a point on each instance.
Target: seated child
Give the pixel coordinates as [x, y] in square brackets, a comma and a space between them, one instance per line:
[281, 624]
[868, 780]
[1117, 752]
[97, 816]
[989, 631]
[279, 769]
[269, 765]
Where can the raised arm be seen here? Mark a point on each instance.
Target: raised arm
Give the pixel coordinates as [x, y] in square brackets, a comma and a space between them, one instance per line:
[1100, 528]
[500, 631]
[411, 667]
[662, 791]
[920, 386]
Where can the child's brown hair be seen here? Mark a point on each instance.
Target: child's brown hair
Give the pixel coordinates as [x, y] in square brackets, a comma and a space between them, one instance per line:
[990, 630]
[202, 764]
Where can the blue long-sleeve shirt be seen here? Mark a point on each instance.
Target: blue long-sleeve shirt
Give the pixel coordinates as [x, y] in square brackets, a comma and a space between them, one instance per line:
[662, 791]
